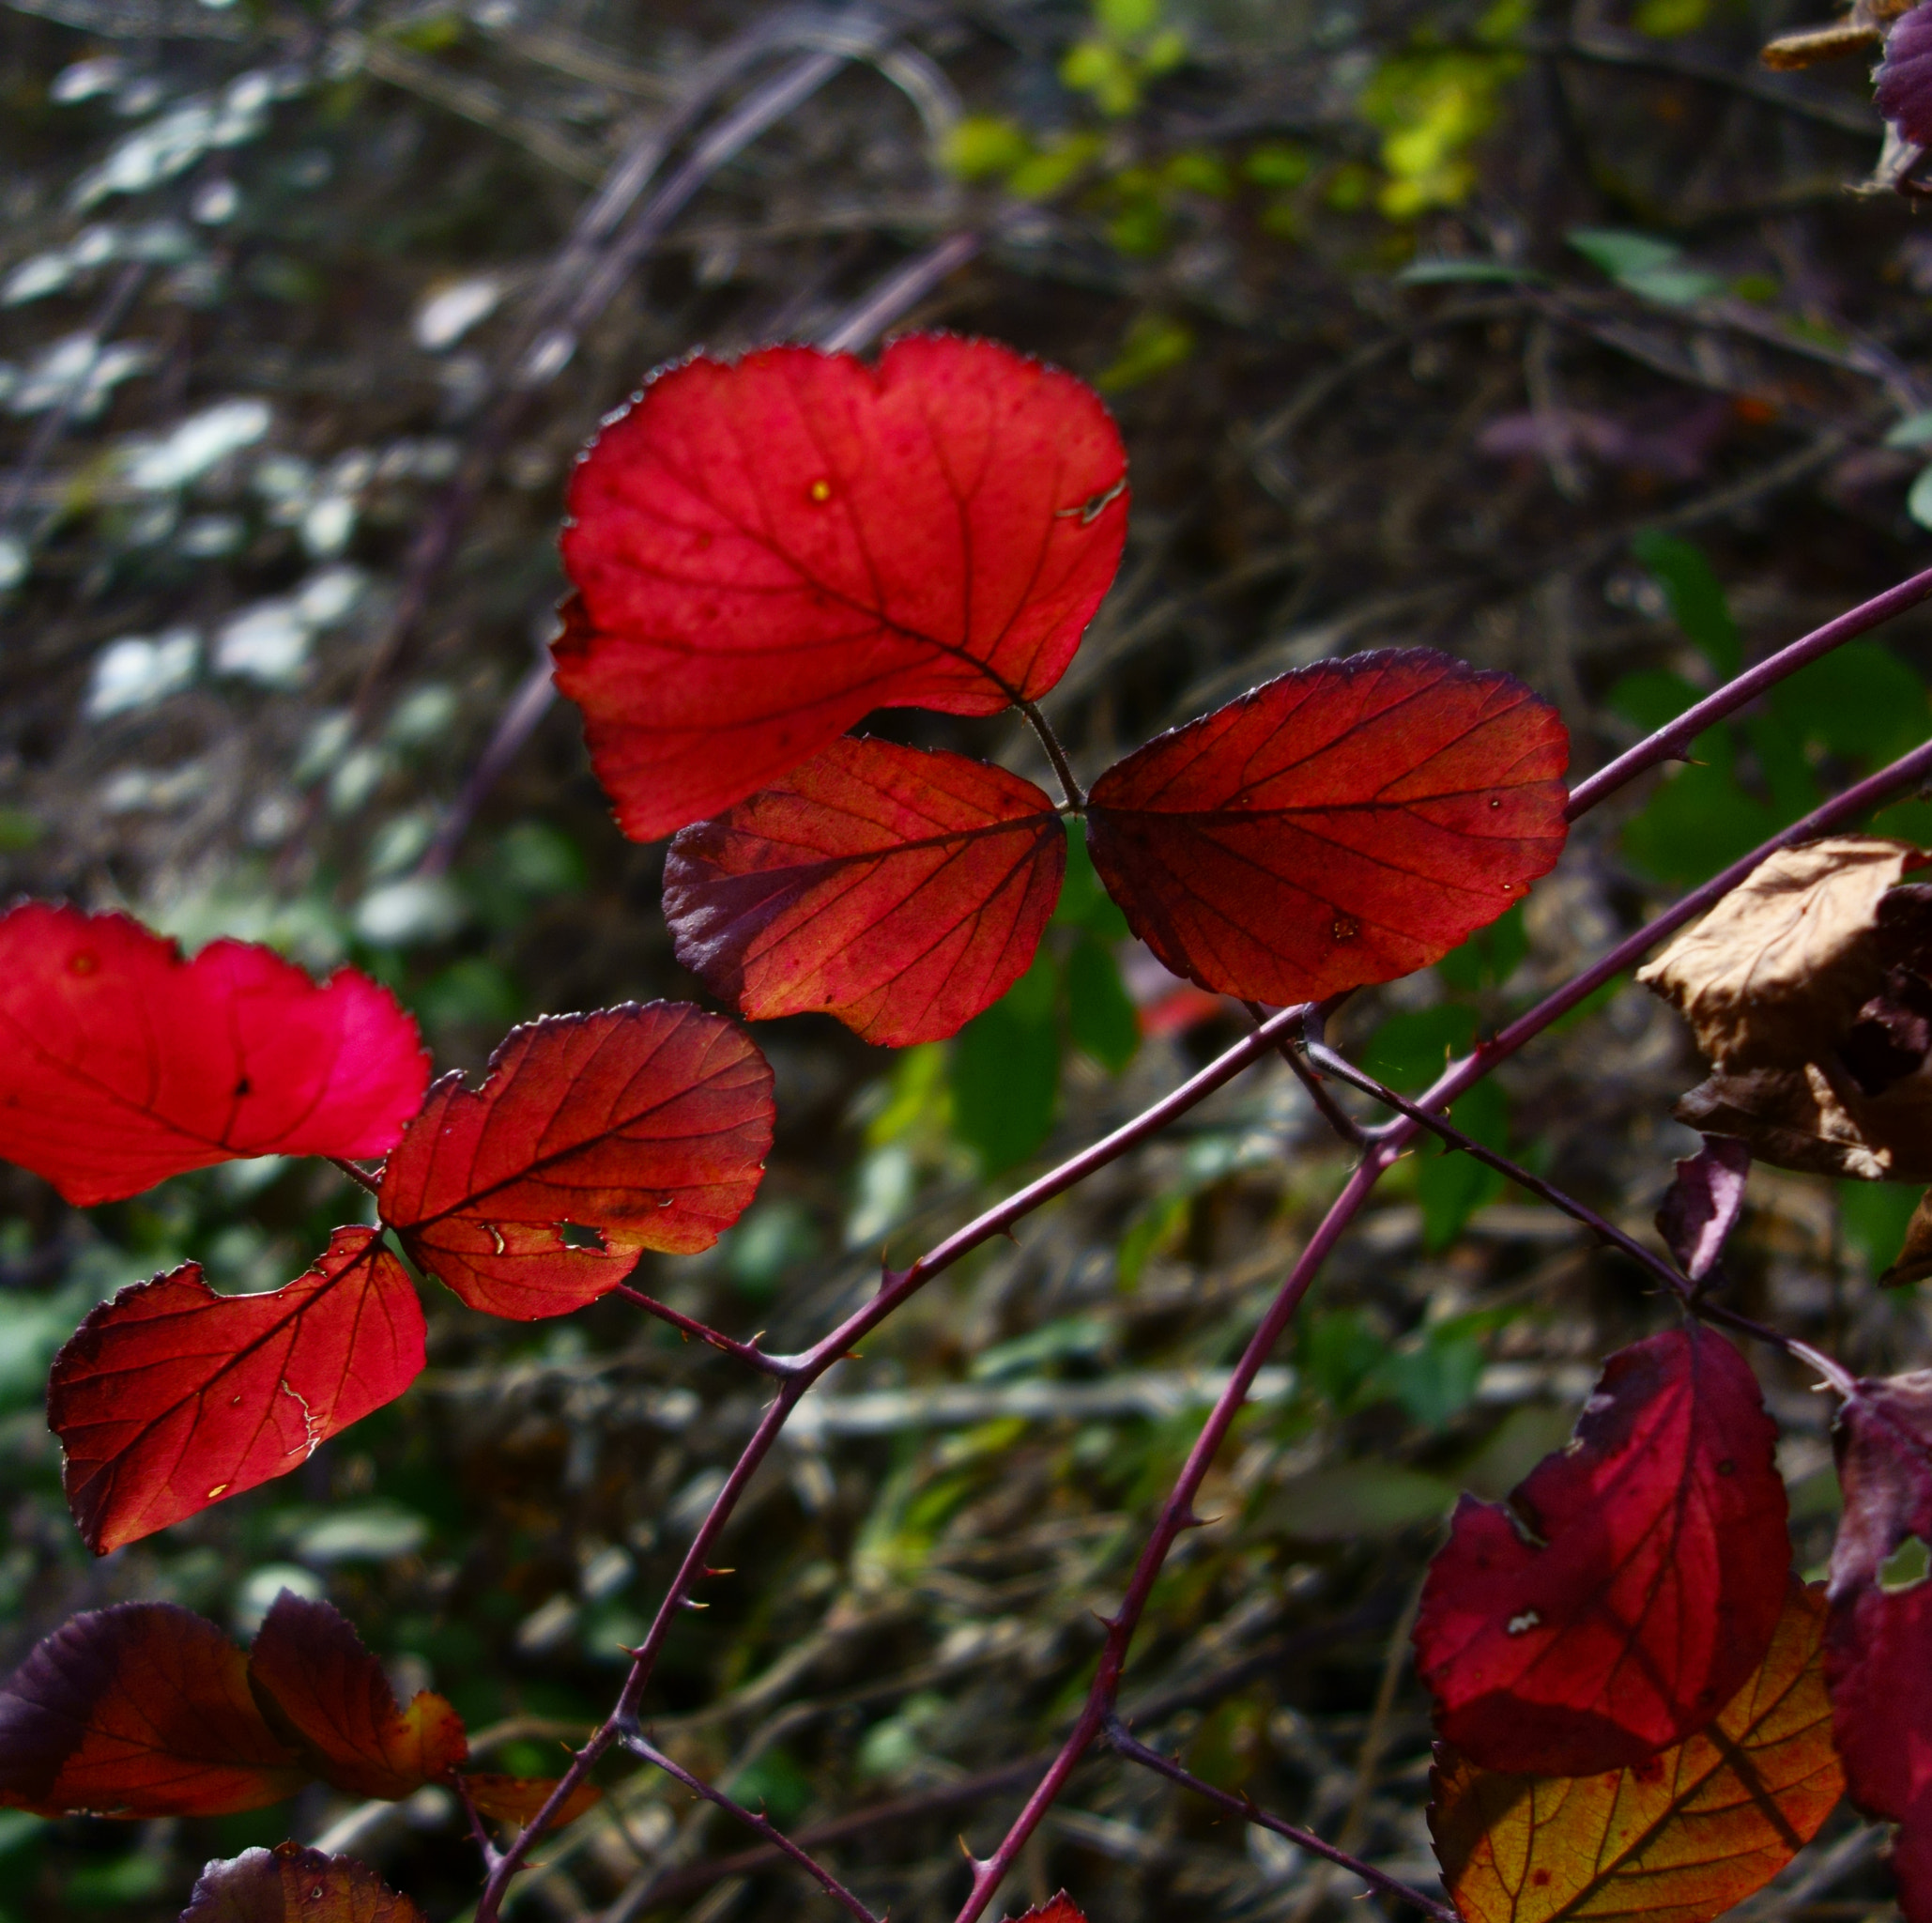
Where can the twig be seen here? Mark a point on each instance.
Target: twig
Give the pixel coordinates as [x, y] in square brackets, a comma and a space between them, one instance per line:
[1327, 1106]
[1670, 742]
[746, 1352]
[1062, 768]
[904, 288]
[361, 1176]
[1123, 1743]
[634, 1740]
[490, 1853]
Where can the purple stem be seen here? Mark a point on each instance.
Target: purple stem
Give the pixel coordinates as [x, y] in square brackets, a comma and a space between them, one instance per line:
[1669, 742]
[634, 1740]
[1123, 1743]
[746, 1352]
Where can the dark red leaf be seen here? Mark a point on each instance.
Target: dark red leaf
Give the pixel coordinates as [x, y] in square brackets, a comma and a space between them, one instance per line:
[1346, 824]
[126, 1063]
[1878, 1670]
[647, 1125]
[1062, 1909]
[291, 1884]
[1904, 92]
[767, 551]
[326, 1696]
[140, 1709]
[170, 1396]
[902, 891]
[518, 1799]
[1703, 1203]
[1883, 1439]
[1632, 1582]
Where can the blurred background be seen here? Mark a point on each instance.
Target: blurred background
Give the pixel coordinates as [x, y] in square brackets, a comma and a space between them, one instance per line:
[1551, 335]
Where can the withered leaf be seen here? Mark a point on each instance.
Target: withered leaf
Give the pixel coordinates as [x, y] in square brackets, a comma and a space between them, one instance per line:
[1784, 960]
[1815, 1118]
[1703, 1203]
[1914, 1261]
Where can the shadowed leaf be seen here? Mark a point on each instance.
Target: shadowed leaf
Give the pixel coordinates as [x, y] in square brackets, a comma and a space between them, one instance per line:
[648, 1124]
[125, 1064]
[1703, 1203]
[326, 1695]
[765, 552]
[140, 1709]
[518, 1799]
[290, 1884]
[1678, 1838]
[1630, 1585]
[1345, 823]
[1904, 90]
[170, 1396]
[902, 891]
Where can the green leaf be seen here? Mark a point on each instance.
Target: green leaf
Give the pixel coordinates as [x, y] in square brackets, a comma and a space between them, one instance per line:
[1452, 1186]
[1435, 1381]
[1695, 595]
[1004, 1072]
[1441, 271]
[1152, 1224]
[1699, 820]
[1872, 1217]
[1101, 1017]
[1860, 700]
[1918, 503]
[1652, 698]
[1337, 1352]
[1915, 430]
[1620, 253]
[1489, 957]
[1410, 1049]
[1357, 1499]
[1083, 903]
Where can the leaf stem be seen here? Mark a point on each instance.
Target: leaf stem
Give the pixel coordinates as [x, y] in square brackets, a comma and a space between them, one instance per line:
[1075, 795]
[1123, 1743]
[640, 1745]
[746, 1352]
[361, 1176]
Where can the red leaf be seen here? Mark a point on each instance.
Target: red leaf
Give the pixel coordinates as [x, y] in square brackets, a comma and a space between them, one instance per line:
[126, 1063]
[902, 891]
[324, 1694]
[140, 1709]
[1345, 823]
[170, 1397]
[1062, 1909]
[291, 1884]
[765, 552]
[518, 1799]
[1637, 1584]
[648, 1124]
[1878, 1670]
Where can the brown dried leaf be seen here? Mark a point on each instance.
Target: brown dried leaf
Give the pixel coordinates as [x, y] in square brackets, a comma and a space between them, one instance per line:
[1915, 1259]
[1782, 965]
[1815, 1118]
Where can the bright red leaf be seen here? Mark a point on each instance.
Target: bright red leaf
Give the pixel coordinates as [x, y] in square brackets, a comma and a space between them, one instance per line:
[767, 551]
[291, 1884]
[1632, 1583]
[1062, 1909]
[170, 1396]
[647, 1126]
[126, 1063]
[140, 1709]
[328, 1697]
[1345, 823]
[902, 891]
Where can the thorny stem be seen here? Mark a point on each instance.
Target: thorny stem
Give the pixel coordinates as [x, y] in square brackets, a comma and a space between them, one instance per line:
[746, 1352]
[640, 1745]
[361, 1176]
[1384, 1146]
[1075, 794]
[1327, 1106]
[1669, 742]
[1123, 1743]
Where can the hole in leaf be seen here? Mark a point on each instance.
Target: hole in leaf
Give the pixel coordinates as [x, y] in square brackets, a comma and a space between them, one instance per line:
[1906, 1566]
[575, 1236]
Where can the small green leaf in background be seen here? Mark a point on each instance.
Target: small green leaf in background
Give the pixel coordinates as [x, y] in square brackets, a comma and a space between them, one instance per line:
[1338, 1351]
[1083, 903]
[1699, 820]
[1410, 1049]
[1490, 956]
[769, 1240]
[1069, 1339]
[1872, 1217]
[1666, 20]
[1918, 503]
[1152, 1225]
[1355, 1499]
[1652, 698]
[1914, 431]
[1004, 1071]
[1101, 1016]
[1452, 1186]
[1645, 265]
[1697, 596]
[1444, 270]
[775, 1784]
[982, 147]
[1153, 344]
[1860, 702]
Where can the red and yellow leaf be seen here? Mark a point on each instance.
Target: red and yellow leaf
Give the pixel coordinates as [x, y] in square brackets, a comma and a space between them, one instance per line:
[1632, 1583]
[899, 890]
[327, 1697]
[1678, 1838]
[518, 1799]
[1346, 824]
[170, 1396]
[140, 1709]
[291, 1884]
[767, 551]
[647, 1125]
[125, 1064]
